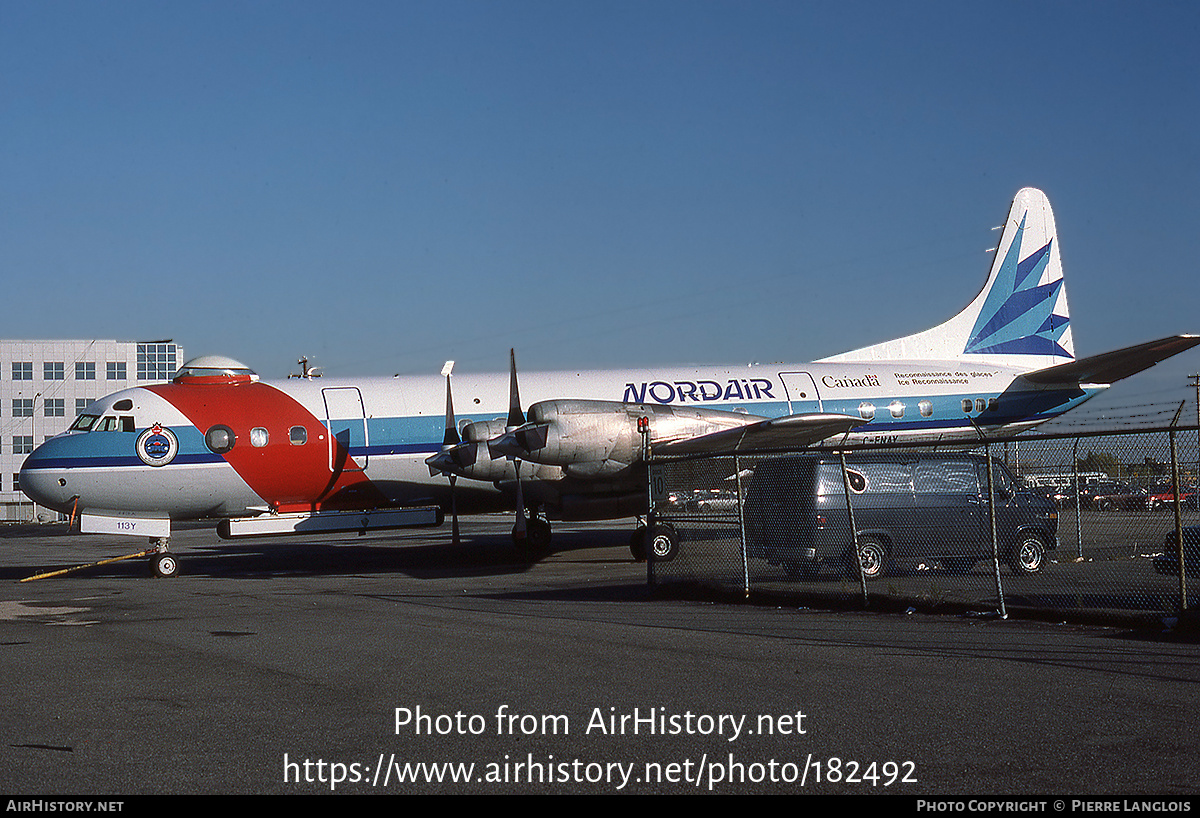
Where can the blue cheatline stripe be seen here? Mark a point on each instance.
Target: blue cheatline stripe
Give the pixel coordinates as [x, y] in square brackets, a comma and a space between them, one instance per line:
[109, 461]
[422, 435]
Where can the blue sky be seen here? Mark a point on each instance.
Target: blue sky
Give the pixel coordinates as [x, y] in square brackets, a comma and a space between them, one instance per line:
[384, 186]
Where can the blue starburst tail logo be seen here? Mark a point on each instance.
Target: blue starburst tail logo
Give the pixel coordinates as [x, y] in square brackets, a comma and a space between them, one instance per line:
[1018, 315]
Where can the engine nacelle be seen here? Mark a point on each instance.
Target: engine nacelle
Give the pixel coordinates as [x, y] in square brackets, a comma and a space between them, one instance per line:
[481, 431]
[477, 465]
[470, 458]
[591, 439]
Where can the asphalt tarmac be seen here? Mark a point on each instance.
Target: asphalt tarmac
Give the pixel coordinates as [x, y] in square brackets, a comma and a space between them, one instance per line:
[399, 663]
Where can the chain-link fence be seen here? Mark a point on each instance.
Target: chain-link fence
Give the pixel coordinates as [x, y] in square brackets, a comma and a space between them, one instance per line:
[1090, 524]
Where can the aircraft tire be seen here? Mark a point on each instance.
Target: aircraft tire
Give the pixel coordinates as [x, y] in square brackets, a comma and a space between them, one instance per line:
[662, 542]
[165, 566]
[536, 541]
[637, 543]
[539, 535]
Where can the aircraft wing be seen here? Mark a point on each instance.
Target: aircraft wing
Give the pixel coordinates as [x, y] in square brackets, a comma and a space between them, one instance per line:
[1110, 367]
[788, 432]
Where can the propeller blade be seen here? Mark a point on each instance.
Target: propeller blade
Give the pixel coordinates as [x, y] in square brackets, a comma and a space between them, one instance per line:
[520, 442]
[515, 416]
[451, 437]
[440, 461]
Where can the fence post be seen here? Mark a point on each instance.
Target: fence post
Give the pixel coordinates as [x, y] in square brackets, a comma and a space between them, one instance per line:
[1183, 603]
[987, 453]
[737, 473]
[1078, 501]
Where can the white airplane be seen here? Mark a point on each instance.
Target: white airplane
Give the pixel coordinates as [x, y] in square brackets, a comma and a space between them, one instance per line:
[339, 455]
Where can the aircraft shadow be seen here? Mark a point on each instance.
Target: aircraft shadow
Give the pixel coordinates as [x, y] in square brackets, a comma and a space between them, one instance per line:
[476, 555]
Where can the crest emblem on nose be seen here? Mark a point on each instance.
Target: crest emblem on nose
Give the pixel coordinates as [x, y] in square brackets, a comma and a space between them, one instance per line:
[157, 446]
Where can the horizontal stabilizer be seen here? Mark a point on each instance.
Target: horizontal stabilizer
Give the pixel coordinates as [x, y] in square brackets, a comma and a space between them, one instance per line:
[789, 432]
[1110, 367]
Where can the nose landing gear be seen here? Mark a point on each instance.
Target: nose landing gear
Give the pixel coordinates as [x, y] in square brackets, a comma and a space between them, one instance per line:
[163, 562]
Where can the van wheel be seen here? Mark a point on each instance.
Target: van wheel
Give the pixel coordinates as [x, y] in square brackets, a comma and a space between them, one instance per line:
[872, 556]
[1028, 555]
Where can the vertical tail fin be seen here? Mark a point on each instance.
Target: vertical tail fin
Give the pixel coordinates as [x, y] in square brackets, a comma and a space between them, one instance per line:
[1020, 318]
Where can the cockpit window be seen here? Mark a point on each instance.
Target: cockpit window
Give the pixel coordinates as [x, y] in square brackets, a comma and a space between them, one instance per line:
[123, 405]
[116, 424]
[84, 423]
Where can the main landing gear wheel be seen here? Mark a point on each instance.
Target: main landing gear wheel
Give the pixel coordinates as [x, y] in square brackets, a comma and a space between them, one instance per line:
[662, 542]
[536, 542]
[165, 565]
[637, 543]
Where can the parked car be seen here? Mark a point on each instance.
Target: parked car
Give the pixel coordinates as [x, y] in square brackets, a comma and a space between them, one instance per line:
[1163, 497]
[1168, 561]
[907, 507]
[1066, 496]
[1111, 496]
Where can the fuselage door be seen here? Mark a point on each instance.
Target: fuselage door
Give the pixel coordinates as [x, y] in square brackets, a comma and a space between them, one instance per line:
[801, 391]
[346, 420]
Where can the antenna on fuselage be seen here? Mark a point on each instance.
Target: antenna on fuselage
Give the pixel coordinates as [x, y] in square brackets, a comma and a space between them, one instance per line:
[306, 371]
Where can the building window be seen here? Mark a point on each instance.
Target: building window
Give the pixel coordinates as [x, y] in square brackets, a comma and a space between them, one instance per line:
[53, 371]
[55, 407]
[156, 362]
[22, 444]
[22, 370]
[22, 407]
[115, 370]
[81, 404]
[85, 371]
[16, 481]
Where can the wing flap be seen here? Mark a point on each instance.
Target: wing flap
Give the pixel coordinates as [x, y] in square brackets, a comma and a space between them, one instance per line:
[788, 432]
[1110, 367]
